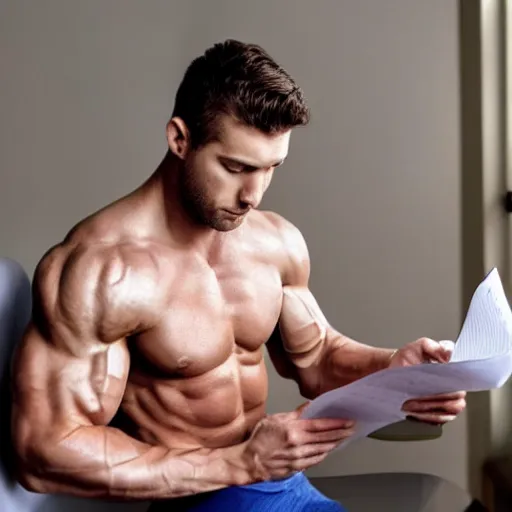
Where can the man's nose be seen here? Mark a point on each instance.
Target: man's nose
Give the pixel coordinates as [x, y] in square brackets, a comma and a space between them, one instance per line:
[253, 189]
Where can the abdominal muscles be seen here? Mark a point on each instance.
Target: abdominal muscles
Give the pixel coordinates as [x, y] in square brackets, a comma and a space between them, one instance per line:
[215, 409]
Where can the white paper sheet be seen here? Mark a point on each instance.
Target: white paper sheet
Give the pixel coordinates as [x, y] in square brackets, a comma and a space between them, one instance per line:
[481, 360]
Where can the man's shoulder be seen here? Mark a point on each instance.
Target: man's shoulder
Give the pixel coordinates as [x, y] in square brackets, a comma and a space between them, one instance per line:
[87, 285]
[291, 245]
[108, 261]
[277, 224]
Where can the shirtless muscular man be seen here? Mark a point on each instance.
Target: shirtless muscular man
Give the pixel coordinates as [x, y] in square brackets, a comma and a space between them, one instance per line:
[141, 374]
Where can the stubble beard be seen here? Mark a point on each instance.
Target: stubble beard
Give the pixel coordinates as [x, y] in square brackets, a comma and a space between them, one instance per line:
[195, 203]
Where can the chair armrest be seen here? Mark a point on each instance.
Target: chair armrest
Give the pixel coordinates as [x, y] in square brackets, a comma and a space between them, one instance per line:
[408, 430]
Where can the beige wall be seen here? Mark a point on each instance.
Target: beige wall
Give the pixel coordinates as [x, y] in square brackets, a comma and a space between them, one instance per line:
[373, 182]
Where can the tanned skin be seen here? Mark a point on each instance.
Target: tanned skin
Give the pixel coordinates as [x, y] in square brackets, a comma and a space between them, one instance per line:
[141, 374]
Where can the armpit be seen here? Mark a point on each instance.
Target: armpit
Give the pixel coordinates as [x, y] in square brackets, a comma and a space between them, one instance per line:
[303, 326]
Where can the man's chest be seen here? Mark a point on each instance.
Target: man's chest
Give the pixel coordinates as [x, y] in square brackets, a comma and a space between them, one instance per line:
[215, 312]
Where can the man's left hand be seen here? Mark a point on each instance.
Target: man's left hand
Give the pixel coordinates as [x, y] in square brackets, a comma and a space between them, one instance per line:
[436, 409]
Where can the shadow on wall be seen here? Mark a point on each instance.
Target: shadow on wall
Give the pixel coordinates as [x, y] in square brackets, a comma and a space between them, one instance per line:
[15, 308]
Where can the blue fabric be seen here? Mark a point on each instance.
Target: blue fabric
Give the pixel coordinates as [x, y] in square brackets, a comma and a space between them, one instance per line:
[291, 494]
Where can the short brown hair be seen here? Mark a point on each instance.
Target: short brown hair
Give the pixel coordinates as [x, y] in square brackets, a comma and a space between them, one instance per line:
[241, 80]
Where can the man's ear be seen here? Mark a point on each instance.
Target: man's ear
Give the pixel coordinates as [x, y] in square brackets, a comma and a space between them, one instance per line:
[178, 137]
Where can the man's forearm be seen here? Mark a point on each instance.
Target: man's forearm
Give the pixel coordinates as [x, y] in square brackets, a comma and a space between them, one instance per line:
[346, 360]
[103, 462]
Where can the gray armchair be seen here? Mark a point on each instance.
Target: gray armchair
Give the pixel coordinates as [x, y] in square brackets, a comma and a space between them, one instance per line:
[15, 309]
[358, 493]
[15, 305]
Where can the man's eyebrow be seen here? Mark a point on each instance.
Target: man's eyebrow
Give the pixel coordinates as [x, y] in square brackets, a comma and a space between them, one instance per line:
[248, 165]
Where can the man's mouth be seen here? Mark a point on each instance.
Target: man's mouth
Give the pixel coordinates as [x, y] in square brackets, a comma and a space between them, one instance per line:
[236, 213]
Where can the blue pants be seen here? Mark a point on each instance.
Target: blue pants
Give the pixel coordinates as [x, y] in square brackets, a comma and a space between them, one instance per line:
[293, 494]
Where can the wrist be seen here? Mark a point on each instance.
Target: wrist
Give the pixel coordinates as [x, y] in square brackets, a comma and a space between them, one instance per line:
[227, 466]
[391, 354]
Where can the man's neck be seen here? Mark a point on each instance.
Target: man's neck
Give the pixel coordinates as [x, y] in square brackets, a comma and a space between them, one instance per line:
[171, 216]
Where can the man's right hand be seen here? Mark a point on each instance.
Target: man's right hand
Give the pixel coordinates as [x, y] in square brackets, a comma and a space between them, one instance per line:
[282, 444]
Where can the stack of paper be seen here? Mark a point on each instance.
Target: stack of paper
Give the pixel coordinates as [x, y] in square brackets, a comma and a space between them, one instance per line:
[482, 360]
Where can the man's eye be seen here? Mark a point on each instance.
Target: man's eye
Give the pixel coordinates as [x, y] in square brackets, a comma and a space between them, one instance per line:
[232, 169]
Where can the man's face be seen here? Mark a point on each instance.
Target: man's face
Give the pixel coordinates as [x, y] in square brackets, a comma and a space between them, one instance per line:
[227, 177]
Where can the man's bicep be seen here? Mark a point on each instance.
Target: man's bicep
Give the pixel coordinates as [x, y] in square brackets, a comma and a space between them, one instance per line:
[303, 326]
[305, 336]
[55, 390]
[57, 394]
[65, 374]
[299, 342]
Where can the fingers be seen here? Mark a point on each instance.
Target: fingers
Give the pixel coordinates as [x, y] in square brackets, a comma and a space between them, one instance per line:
[299, 438]
[310, 450]
[315, 424]
[436, 411]
[424, 406]
[302, 464]
[326, 437]
[448, 345]
[325, 424]
[305, 449]
[437, 351]
[297, 465]
[310, 456]
[441, 398]
[435, 418]
[285, 443]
